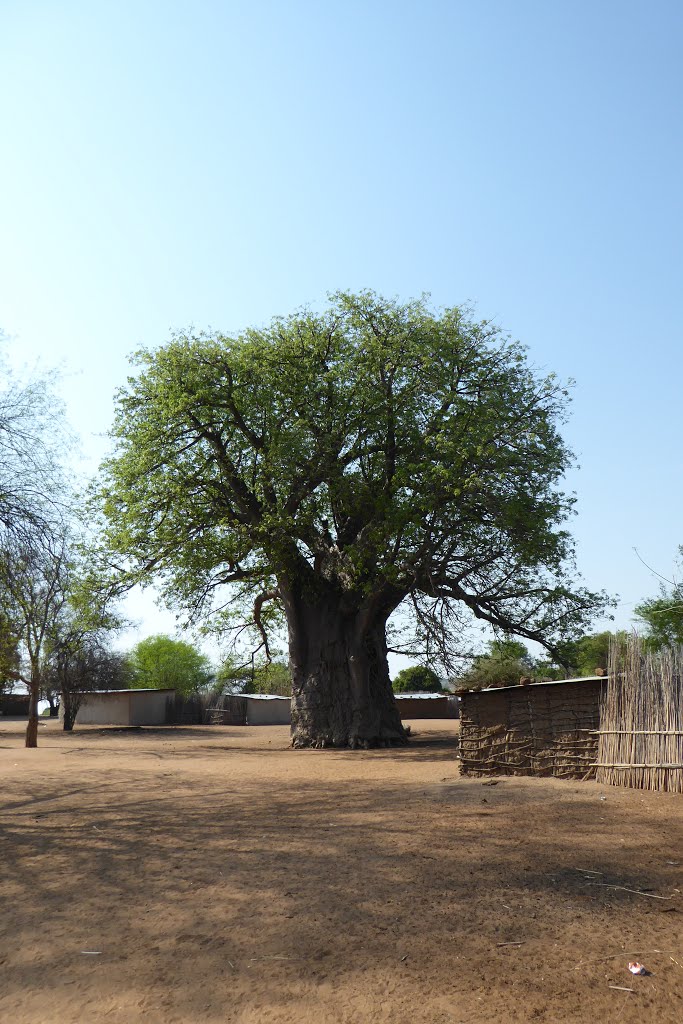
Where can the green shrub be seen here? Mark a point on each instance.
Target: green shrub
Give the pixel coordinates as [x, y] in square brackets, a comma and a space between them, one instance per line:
[417, 679]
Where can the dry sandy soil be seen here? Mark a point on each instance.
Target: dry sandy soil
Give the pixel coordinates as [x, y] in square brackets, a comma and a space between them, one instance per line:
[213, 874]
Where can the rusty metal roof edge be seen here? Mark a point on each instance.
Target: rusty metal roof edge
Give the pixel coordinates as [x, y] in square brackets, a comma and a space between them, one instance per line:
[547, 682]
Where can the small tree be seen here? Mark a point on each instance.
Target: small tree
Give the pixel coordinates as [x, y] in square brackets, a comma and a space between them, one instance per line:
[78, 656]
[587, 654]
[61, 623]
[34, 543]
[505, 662]
[160, 661]
[79, 662]
[34, 574]
[417, 679]
[273, 678]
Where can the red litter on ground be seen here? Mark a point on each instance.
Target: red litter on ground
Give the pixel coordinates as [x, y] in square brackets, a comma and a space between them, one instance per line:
[636, 968]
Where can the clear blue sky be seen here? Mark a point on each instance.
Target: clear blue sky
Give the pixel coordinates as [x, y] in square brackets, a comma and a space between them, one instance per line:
[173, 163]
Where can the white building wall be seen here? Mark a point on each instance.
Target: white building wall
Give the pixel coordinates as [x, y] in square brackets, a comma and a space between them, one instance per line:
[266, 710]
[104, 709]
[148, 707]
[124, 707]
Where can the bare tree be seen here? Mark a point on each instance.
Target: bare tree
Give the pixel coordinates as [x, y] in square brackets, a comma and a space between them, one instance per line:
[34, 575]
[34, 540]
[62, 623]
[80, 660]
[33, 439]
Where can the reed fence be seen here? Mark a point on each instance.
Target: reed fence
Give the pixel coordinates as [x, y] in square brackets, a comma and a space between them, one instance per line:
[640, 736]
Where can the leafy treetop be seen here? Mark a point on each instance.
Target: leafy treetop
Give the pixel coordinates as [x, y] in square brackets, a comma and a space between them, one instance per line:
[159, 661]
[273, 678]
[662, 616]
[505, 662]
[417, 679]
[377, 450]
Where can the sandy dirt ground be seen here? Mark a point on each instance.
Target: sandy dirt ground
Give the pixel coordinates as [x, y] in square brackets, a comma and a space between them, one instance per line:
[213, 874]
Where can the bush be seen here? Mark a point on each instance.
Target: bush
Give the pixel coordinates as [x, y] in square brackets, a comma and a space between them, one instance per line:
[160, 661]
[272, 678]
[504, 664]
[417, 679]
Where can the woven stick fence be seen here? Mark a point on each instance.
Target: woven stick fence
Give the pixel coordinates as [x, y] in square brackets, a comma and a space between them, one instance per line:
[532, 730]
[641, 720]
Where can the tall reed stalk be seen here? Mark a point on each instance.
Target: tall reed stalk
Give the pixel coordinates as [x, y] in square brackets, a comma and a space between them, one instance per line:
[641, 718]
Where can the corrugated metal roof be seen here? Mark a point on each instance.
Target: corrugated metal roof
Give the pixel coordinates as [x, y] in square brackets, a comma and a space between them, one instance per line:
[422, 696]
[547, 682]
[261, 696]
[133, 689]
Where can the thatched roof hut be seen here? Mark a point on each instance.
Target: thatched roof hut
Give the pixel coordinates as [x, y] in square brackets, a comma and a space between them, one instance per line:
[538, 729]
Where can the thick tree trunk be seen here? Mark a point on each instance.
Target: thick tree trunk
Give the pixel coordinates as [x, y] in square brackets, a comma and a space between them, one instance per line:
[32, 726]
[341, 690]
[70, 705]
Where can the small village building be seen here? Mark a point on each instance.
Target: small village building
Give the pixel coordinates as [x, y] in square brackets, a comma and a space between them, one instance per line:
[125, 707]
[548, 728]
[251, 709]
[267, 709]
[427, 705]
[14, 705]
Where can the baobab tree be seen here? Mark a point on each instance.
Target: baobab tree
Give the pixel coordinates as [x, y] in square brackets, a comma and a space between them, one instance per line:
[340, 466]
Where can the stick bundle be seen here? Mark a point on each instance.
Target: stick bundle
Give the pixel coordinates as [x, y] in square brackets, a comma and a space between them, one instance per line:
[640, 741]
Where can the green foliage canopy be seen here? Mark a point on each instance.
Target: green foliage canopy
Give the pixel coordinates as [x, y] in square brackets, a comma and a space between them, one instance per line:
[505, 662]
[273, 678]
[9, 649]
[377, 451]
[159, 661]
[662, 616]
[590, 652]
[417, 679]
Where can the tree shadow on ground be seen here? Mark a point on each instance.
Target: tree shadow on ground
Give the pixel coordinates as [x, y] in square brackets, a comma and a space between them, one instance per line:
[266, 888]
